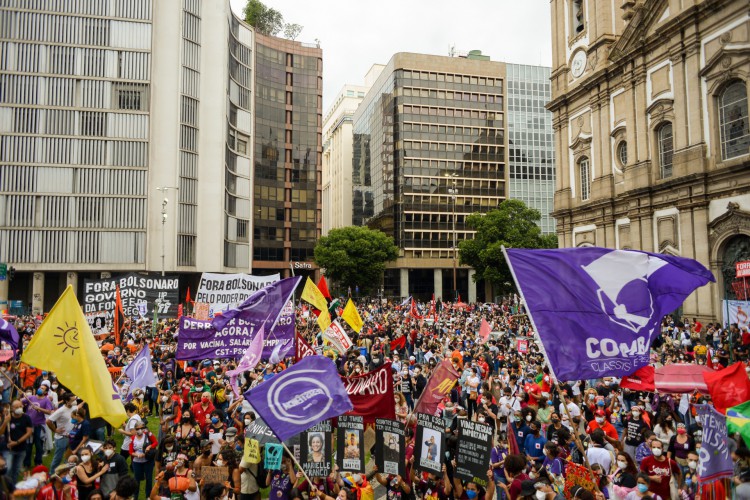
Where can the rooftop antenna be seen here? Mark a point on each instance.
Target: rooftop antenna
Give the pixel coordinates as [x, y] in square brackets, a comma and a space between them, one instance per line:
[452, 50]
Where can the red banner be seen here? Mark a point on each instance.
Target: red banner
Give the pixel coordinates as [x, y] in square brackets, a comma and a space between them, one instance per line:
[640, 380]
[372, 394]
[303, 349]
[440, 384]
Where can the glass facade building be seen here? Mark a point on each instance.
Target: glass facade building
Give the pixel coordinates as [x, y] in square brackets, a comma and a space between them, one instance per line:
[531, 148]
[288, 153]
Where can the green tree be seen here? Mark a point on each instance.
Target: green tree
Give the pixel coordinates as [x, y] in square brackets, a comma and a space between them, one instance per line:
[264, 19]
[513, 225]
[355, 256]
[292, 31]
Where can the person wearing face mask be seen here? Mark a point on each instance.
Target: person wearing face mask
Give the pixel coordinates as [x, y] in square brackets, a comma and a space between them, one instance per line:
[202, 410]
[644, 449]
[402, 409]
[143, 450]
[660, 469]
[215, 430]
[38, 406]
[188, 436]
[88, 472]
[17, 429]
[623, 478]
[679, 446]
[644, 488]
[60, 486]
[600, 422]
[534, 443]
[556, 431]
[128, 428]
[60, 423]
[596, 453]
[635, 427]
[169, 412]
[81, 431]
[472, 491]
[182, 470]
[166, 453]
[117, 468]
[419, 382]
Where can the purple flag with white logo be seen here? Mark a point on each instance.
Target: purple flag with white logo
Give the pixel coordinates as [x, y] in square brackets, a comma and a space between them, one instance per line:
[248, 361]
[597, 310]
[263, 307]
[9, 334]
[139, 371]
[301, 396]
[715, 461]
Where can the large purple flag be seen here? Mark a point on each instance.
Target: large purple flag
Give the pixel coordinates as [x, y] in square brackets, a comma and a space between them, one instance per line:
[139, 371]
[300, 397]
[715, 460]
[248, 361]
[263, 307]
[597, 310]
[9, 334]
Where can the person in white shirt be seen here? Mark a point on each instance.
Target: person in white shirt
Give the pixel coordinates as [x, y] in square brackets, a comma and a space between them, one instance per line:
[597, 454]
[128, 429]
[572, 408]
[508, 404]
[60, 424]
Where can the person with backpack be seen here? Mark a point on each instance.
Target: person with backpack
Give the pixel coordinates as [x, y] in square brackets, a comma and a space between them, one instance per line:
[143, 451]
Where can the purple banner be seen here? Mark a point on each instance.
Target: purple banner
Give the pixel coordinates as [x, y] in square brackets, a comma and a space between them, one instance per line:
[597, 310]
[715, 459]
[199, 340]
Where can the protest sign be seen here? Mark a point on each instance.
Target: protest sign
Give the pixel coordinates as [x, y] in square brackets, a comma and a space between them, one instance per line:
[350, 453]
[303, 349]
[260, 431]
[151, 292]
[522, 345]
[372, 394]
[251, 451]
[390, 450]
[430, 443]
[97, 322]
[200, 340]
[715, 459]
[315, 450]
[473, 453]
[273, 454]
[336, 335]
[226, 291]
[214, 474]
[736, 311]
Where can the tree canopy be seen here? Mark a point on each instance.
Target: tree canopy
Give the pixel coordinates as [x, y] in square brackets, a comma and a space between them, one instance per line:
[269, 21]
[513, 225]
[355, 256]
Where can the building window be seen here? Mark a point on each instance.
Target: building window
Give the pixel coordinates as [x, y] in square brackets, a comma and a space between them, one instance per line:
[129, 99]
[584, 172]
[622, 153]
[665, 143]
[733, 121]
[578, 17]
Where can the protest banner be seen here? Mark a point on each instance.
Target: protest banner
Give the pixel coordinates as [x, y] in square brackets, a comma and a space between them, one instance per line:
[390, 450]
[473, 453]
[97, 322]
[315, 450]
[227, 291]
[430, 443]
[372, 394]
[260, 431]
[438, 386]
[715, 459]
[350, 450]
[251, 451]
[736, 311]
[200, 340]
[272, 456]
[302, 348]
[522, 345]
[211, 474]
[336, 335]
[158, 293]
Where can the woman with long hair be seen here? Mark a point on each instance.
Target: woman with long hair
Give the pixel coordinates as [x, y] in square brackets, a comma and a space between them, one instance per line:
[88, 472]
[188, 436]
[227, 458]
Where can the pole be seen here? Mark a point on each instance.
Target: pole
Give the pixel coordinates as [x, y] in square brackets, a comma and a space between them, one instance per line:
[455, 248]
[309, 481]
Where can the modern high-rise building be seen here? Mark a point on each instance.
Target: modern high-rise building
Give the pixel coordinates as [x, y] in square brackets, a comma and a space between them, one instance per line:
[652, 135]
[531, 147]
[126, 141]
[429, 145]
[288, 155]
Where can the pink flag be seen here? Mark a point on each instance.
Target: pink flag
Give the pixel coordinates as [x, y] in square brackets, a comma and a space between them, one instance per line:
[248, 361]
[484, 331]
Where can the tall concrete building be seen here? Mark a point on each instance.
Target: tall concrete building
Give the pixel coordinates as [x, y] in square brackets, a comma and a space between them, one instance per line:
[651, 128]
[126, 141]
[429, 144]
[531, 147]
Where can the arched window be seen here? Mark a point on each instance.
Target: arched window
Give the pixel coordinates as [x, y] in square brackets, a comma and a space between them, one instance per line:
[733, 125]
[622, 153]
[584, 173]
[664, 140]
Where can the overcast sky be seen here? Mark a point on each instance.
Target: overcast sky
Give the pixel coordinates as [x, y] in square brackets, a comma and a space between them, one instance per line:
[355, 34]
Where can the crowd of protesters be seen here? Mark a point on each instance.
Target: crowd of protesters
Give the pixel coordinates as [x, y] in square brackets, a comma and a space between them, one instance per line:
[640, 445]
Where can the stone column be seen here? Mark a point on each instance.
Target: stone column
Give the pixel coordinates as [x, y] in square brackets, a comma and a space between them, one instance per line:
[472, 286]
[71, 278]
[404, 288]
[37, 294]
[438, 283]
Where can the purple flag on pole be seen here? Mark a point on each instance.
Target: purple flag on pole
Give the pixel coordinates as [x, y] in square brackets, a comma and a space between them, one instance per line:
[597, 310]
[9, 334]
[139, 371]
[715, 460]
[248, 361]
[301, 396]
[264, 305]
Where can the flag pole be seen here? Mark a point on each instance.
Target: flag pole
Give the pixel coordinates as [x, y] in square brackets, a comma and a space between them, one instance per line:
[309, 481]
[539, 344]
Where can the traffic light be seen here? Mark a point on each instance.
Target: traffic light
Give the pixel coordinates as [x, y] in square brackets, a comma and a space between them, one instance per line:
[11, 273]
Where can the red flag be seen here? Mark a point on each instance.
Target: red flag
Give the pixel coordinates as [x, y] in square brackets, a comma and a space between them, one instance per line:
[438, 387]
[398, 343]
[323, 287]
[433, 311]
[187, 297]
[512, 443]
[484, 330]
[179, 311]
[414, 312]
[303, 349]
[119, 320]
[640, 380]
[728, 387]
[371, 394]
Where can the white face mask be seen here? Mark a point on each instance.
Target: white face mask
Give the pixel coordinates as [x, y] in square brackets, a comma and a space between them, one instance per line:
[532, 475]
[163, 399]
[599, 420]
[692, 464]
[528, 418]
[656, 452]
[220, 463]
[636, 414]
[248, 422]
[109, 453]
[85, 458]
[621, 464]
[540, 495]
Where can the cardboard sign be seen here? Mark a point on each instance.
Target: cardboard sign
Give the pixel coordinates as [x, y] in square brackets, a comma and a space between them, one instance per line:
[273, 456]
[251, 452]
[214, 474]
[350, 455]
[473, 453]
[522, 345]
[390, 449]
[315, 450]
[430, 444]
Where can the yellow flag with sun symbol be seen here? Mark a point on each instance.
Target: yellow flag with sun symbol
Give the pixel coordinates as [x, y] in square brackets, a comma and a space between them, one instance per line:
[64, 344]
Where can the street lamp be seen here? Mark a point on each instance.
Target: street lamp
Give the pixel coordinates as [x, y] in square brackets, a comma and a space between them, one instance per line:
[454, 194]
[164, 204]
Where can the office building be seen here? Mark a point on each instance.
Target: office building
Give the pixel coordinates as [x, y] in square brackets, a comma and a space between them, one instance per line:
[429, 145]
[126, 142]
[651, 128]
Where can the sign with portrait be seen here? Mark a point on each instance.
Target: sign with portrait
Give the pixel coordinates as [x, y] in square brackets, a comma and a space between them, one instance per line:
[390, 449]
[315, 450]
[350, 452]
[430, 445]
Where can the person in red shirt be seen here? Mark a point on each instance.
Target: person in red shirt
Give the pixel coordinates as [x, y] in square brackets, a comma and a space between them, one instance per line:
[514, 471]
[202, 410]
[600, 422]
[660, 470]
